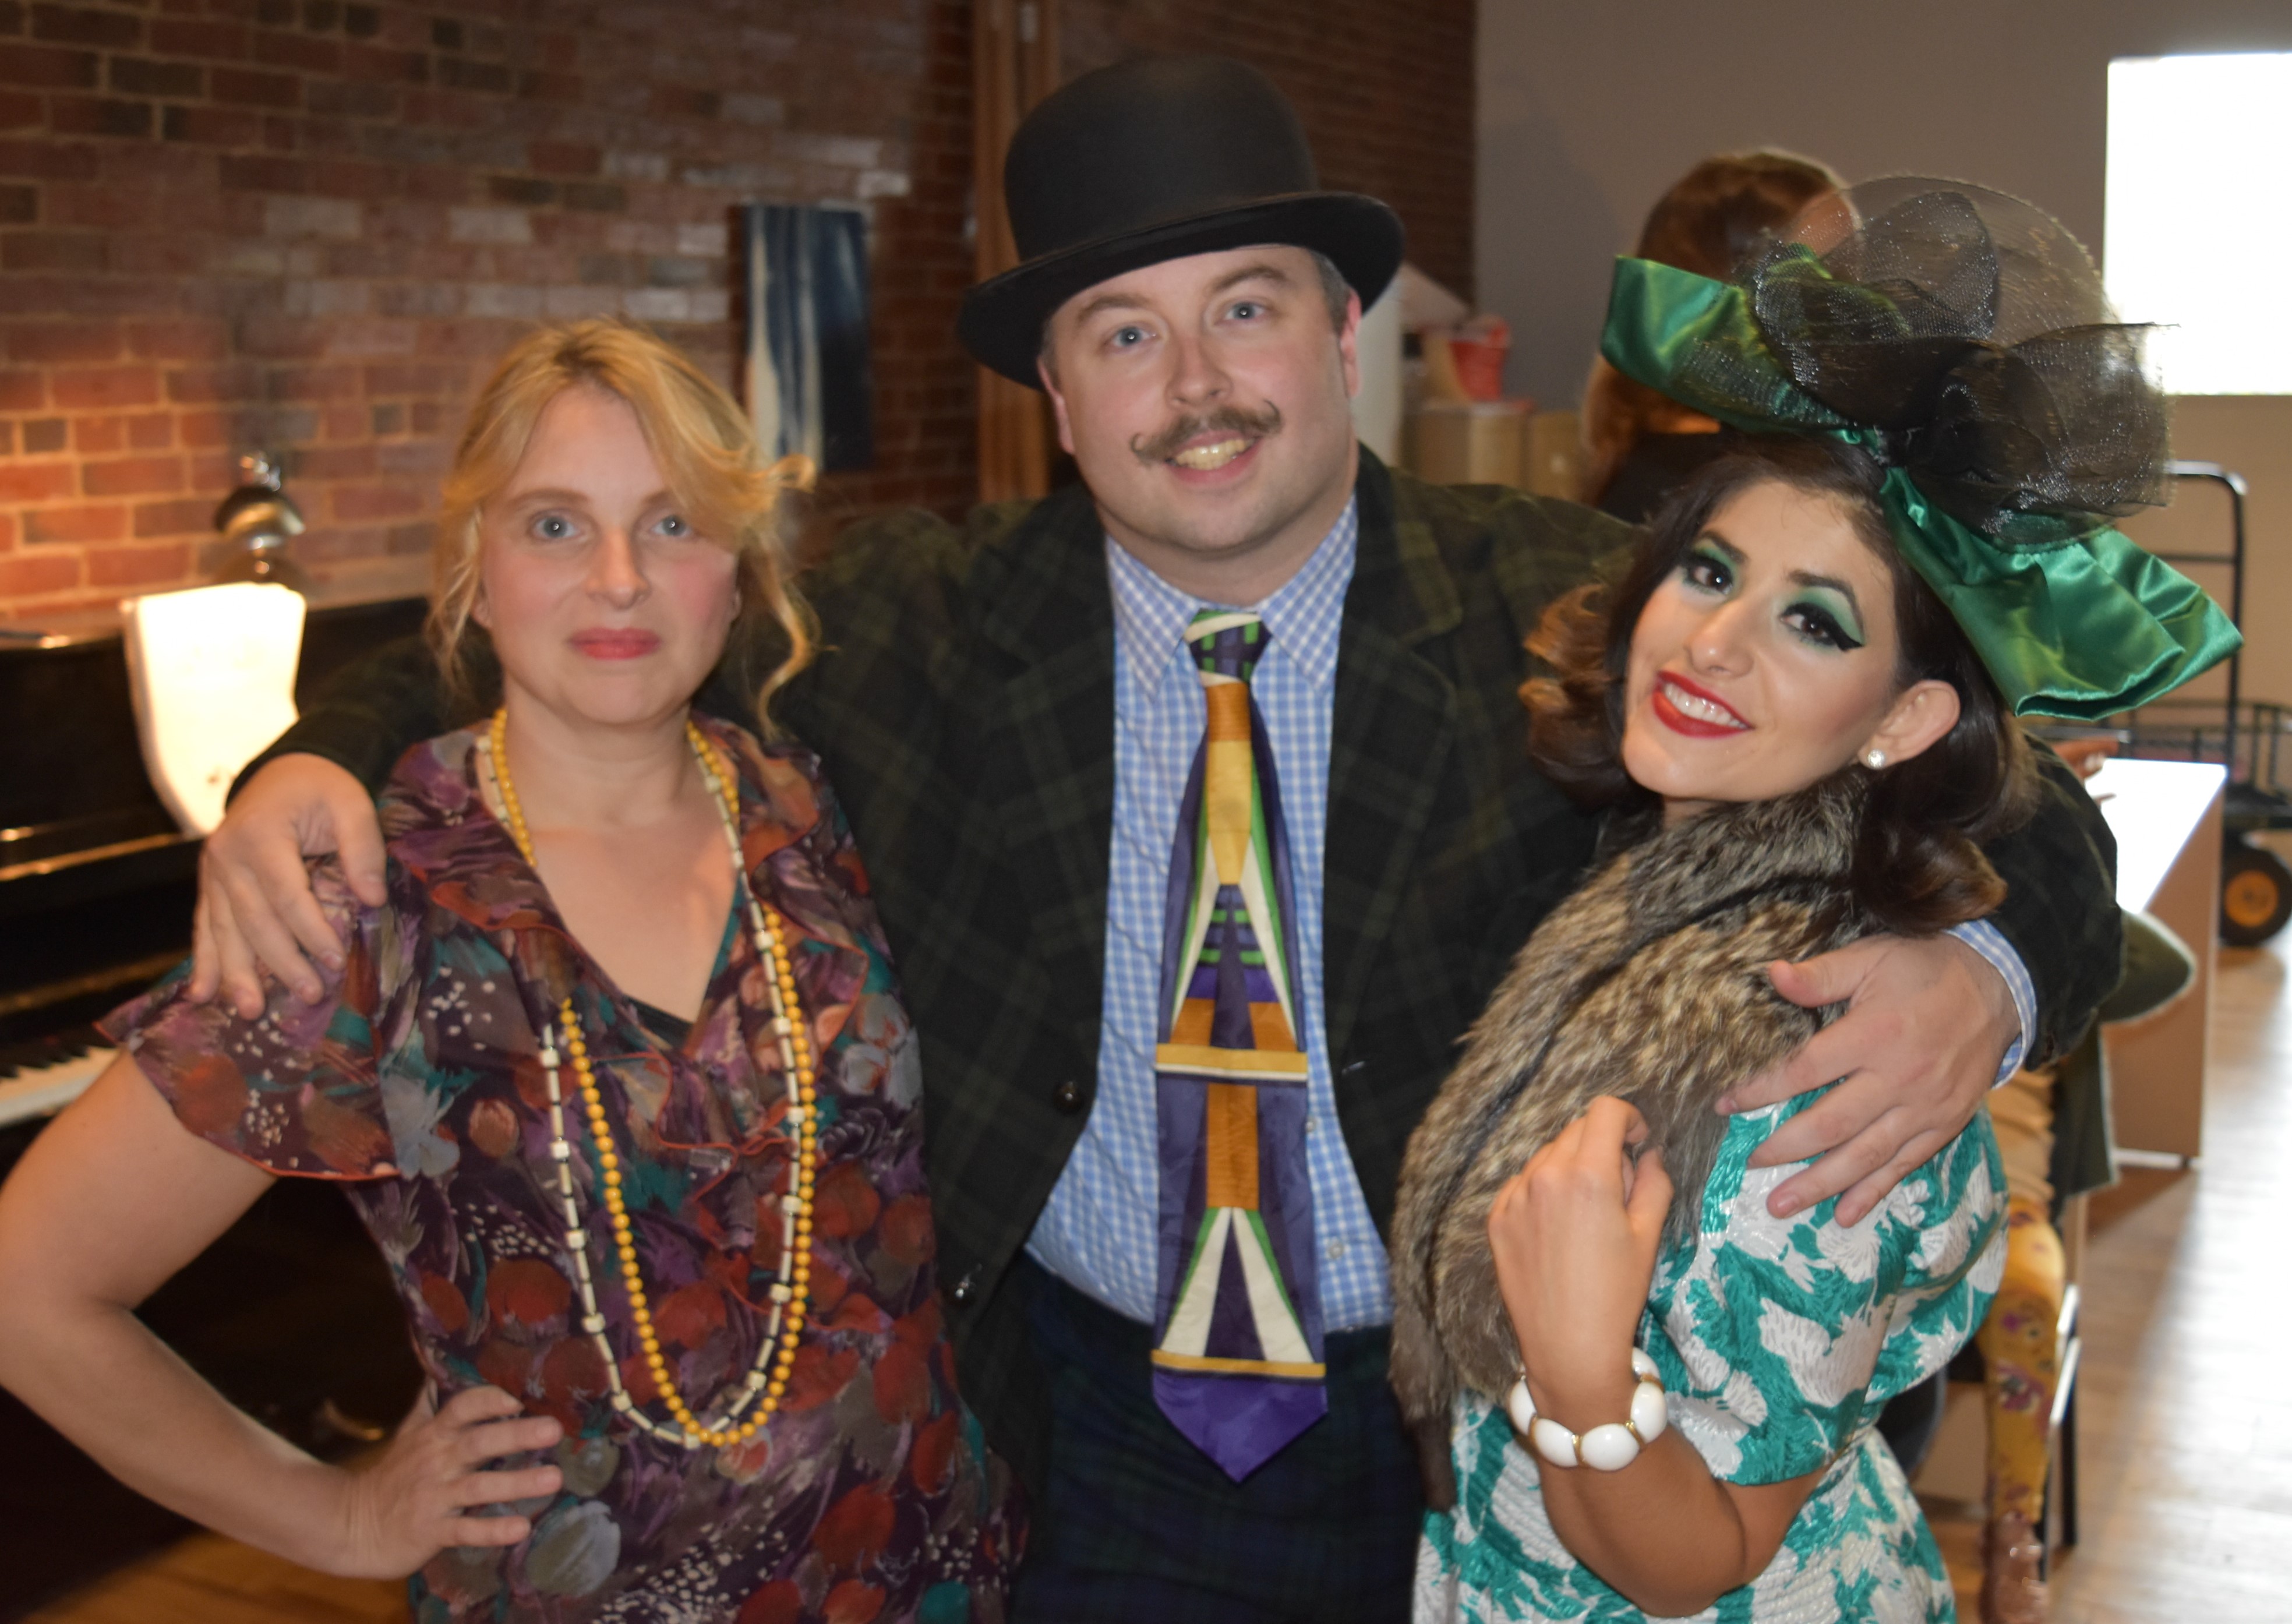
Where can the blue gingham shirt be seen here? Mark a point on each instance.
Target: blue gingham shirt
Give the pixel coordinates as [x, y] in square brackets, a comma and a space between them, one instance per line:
[1097, 1231]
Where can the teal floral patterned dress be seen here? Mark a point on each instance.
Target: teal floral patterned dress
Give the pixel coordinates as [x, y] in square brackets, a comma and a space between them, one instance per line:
[1780, 1340]
[869, 1496]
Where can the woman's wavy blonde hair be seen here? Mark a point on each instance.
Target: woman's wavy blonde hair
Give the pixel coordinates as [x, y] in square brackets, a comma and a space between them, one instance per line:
[698, 434]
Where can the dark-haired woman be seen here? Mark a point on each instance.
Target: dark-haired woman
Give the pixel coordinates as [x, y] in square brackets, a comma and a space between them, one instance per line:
[1642, 1392]
[1639, 443]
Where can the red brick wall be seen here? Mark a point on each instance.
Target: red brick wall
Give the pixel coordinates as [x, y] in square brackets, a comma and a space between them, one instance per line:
[1384, 88]
[307, 224]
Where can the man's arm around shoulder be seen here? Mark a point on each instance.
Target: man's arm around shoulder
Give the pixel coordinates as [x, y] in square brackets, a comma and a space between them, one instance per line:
[368, 714]
[1543, 547]
[2060, 913]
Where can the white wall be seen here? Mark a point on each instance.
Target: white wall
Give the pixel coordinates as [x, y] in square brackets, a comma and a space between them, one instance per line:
[1588, 110]
[2251, 434]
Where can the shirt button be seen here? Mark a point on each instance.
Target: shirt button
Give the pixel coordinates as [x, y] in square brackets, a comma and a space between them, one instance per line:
[1309, 1124]
[1336, 1250]
[1068, 1097]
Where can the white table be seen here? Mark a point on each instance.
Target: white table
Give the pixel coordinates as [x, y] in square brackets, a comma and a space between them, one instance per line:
[2166, 817]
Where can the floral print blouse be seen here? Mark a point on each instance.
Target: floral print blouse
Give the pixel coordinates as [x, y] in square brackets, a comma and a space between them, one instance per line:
[1780, 1340]
[870, 1494]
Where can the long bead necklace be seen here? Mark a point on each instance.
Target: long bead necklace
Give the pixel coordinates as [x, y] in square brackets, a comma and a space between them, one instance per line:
[766, 1382]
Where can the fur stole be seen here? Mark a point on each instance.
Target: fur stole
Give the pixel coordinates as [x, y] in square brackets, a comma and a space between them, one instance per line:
[1649, 983]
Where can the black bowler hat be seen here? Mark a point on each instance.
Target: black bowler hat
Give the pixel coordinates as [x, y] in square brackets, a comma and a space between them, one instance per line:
[1153, 159]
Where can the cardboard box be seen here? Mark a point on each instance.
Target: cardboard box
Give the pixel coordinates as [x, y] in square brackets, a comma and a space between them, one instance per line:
[1498, 442]
[1555, 458]
[1480, 442]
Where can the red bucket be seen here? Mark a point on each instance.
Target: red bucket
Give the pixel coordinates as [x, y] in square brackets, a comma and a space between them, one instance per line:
[1480, 347]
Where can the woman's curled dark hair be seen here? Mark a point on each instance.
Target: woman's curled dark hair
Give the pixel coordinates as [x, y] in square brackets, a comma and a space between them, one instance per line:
[1919, 866]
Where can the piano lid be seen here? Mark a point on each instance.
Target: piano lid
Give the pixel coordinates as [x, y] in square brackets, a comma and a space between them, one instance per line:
[96, 881]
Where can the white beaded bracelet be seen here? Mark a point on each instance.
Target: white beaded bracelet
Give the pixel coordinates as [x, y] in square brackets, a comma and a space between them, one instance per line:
[1608, 1448]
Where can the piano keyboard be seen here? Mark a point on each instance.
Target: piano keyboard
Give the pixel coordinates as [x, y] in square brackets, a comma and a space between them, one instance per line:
[40, 1078]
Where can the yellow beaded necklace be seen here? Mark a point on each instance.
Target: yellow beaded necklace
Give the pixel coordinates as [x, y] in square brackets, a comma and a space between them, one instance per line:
[766, 1382]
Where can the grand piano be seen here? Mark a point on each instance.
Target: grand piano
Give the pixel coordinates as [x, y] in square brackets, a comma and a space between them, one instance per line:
[291, 1314]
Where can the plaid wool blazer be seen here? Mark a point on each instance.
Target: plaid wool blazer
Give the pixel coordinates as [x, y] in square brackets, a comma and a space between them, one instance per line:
[963, 706]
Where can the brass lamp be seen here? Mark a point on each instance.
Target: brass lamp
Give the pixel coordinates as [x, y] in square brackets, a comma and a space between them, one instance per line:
[257, 520]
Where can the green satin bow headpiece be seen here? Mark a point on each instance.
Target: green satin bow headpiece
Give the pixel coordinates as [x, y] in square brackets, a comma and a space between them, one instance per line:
[2000, 459]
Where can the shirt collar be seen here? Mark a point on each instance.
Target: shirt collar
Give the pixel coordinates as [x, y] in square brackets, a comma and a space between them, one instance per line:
[1303, 615]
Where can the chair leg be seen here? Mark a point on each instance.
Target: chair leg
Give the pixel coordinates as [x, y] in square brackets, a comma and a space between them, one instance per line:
[2061, 1465]
[2045, 1528]
[2068, 1472]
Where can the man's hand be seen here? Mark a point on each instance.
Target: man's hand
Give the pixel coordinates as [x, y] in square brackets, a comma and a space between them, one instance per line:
[255, 908]
[1927, 1024]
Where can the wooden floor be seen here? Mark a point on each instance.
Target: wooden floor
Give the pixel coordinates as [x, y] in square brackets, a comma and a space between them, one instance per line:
[208, 1580]
[2186, 1424]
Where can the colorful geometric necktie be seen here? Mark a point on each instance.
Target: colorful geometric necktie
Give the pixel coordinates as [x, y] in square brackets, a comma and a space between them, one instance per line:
[1238, 1305]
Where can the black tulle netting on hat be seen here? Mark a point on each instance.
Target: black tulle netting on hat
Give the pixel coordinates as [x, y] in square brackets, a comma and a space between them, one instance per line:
[1970, 331]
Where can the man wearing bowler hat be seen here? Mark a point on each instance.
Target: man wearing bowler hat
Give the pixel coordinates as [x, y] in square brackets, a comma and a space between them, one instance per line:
[1195, 801]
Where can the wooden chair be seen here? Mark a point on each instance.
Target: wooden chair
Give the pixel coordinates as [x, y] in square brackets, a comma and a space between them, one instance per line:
[1956, 1465]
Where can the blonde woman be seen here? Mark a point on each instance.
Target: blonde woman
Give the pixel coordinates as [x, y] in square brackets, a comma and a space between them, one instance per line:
[618, 1077]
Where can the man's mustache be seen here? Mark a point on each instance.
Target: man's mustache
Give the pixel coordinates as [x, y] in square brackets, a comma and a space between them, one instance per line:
[1230, 419]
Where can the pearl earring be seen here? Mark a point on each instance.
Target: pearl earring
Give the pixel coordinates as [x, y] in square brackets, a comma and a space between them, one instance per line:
[1875, 759]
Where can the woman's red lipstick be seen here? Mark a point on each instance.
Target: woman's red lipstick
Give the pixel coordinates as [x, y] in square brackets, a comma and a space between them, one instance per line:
[616, 643]
[1679, 722]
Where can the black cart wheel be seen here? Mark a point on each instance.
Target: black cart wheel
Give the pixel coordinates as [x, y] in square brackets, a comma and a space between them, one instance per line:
[2255, 894]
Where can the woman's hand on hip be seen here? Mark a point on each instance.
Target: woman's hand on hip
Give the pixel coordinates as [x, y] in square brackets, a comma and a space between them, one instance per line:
[256, 909]
[1575, 1237]
[422, 1494]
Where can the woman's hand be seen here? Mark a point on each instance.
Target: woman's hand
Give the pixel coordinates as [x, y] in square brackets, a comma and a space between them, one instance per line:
[419, 1497]
[1575, 1237]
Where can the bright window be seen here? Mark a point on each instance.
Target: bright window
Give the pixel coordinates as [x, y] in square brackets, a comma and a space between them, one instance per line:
[2199, 234]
